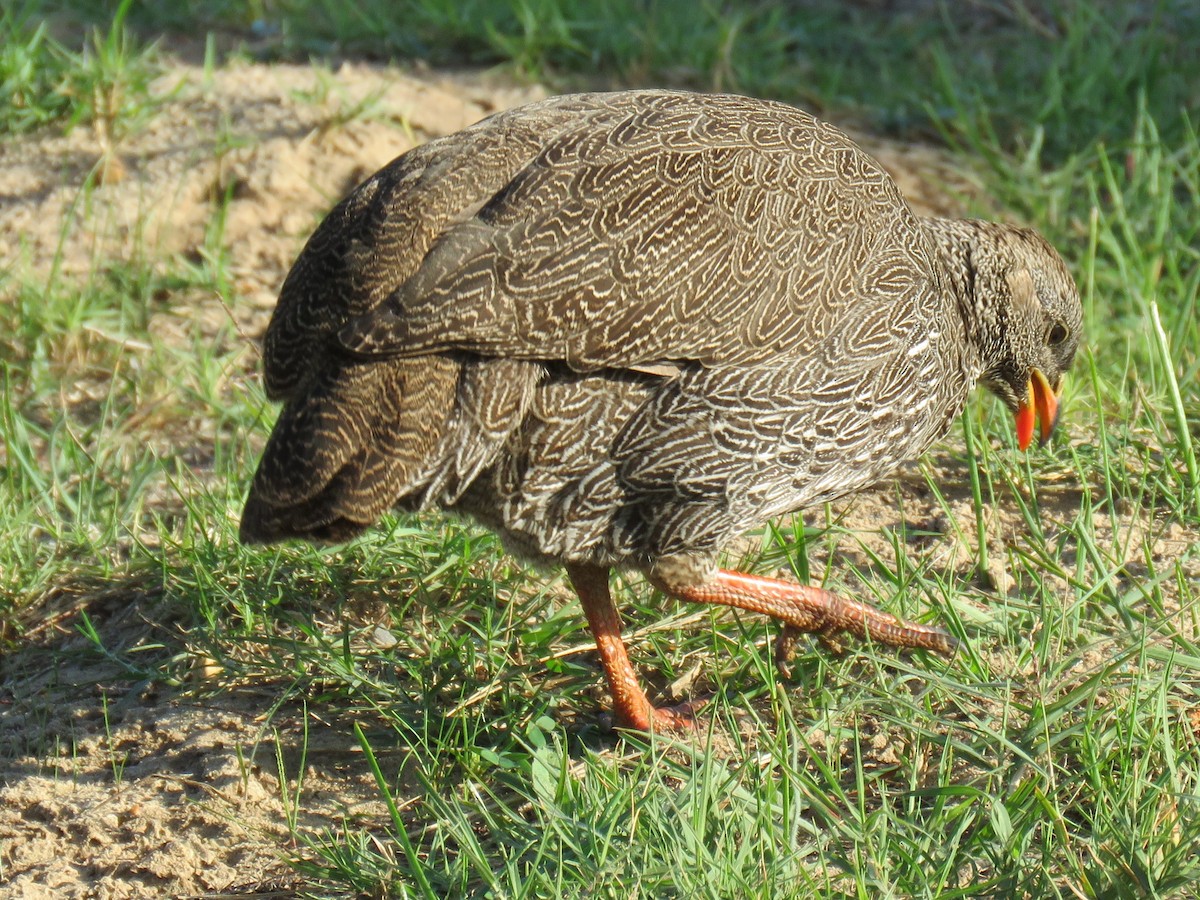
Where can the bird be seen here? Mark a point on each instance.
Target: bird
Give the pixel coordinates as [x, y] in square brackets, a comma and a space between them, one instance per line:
[621, 329]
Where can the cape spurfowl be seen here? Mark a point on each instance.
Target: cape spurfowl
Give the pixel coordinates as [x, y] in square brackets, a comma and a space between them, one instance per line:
[621, 329]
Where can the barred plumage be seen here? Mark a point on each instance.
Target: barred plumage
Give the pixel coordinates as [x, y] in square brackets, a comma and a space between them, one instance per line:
[621, 329]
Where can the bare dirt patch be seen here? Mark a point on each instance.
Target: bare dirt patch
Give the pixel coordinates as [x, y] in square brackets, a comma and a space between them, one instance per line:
[108, 790]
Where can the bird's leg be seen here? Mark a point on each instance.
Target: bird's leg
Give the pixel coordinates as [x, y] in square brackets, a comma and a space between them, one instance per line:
[631, 707]
[803, 608]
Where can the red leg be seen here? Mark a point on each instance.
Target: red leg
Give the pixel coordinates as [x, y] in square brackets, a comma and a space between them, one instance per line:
[631, 707]
[803, 608]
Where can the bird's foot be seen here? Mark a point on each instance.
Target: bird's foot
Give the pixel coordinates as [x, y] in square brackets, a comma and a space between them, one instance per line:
[785, 645]
[785, 649]
[682, 718]
[809, 609]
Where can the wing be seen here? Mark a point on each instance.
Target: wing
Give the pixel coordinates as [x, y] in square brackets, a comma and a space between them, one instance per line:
[662, 227]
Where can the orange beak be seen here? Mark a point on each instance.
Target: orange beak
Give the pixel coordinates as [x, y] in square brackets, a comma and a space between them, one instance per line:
[1040, 403]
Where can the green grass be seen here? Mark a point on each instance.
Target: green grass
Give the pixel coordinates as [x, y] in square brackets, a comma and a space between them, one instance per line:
[102, 81]
[1056, 756]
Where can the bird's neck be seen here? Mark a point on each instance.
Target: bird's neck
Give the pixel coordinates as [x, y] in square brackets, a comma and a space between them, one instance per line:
[962, 244]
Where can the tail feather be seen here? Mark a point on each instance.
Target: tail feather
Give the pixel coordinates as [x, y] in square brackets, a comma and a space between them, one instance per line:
[361, 437]
[492, 399]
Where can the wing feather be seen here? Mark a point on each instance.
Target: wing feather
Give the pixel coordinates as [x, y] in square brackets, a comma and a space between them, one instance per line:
[653, 235]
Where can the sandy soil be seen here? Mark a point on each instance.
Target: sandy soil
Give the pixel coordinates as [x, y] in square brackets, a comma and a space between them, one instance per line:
[107, 792]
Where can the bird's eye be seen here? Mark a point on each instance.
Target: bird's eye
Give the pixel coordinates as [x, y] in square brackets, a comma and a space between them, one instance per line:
[1058, 334]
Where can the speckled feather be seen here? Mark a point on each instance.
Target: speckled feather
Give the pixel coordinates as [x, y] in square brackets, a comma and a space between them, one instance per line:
[620, 329]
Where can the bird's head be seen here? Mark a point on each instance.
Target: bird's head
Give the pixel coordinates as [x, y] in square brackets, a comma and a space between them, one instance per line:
[1042, 328]
[1023, 312]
